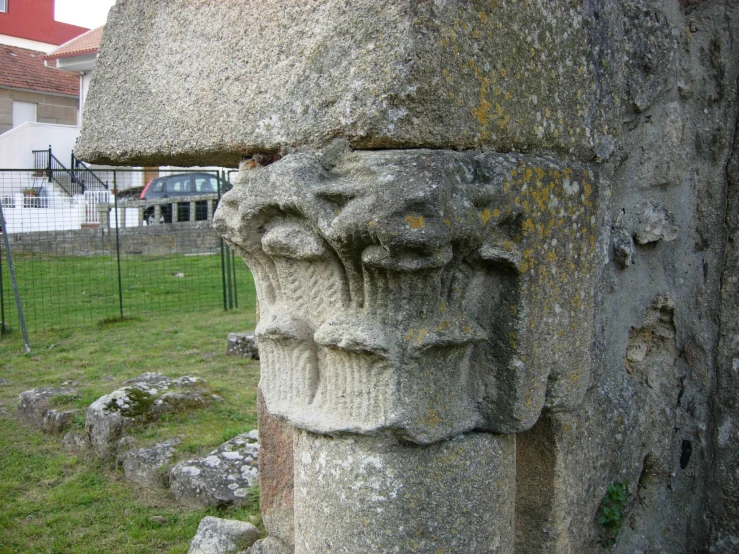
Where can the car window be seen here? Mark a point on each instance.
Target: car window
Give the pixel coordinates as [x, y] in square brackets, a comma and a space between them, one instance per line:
[205, 184]
[176, 185]
[157, 186]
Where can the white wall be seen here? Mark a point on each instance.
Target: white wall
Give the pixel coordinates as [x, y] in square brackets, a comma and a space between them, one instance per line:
[42, 214]
[16, 145]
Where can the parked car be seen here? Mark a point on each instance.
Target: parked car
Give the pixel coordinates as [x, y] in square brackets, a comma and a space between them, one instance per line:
[179, 185]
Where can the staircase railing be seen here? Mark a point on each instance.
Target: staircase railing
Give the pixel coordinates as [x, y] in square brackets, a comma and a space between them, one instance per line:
[72, 181]
[86, 176]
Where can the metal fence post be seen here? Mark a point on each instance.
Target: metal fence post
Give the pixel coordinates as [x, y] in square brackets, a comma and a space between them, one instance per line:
[219, 176]
[2, 295]
[228, 277]
[11, 269]
[118, 245]
[233, 267]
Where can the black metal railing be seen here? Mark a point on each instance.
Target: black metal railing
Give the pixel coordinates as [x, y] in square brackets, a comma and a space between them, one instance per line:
[75, 180]
[86, 176]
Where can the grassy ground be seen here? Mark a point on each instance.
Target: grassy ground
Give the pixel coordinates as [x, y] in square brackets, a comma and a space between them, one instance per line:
[56, 501]
[65, 291]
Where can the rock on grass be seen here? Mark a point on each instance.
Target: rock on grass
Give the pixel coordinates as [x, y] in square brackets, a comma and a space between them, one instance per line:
[222, 536]
[34, 408]
[222, 478]
[141, 399]
[144, 466]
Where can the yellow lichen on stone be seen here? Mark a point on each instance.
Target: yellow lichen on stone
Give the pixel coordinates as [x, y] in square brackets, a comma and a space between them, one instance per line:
[415, 222]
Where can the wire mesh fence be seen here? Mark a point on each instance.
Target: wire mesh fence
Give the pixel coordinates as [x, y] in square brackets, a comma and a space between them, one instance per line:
[123, 249]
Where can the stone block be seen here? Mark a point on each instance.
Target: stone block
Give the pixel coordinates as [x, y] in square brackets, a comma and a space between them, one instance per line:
[27, 96]
[242, 344]
[51, 113]
[380, 73]
[76, 442]
[140, 400]
[222, 478]
[6, 112]
[35, 408]
[222, 536]
[144, 466]
[269, 545]
[423, 292]
[375, 494]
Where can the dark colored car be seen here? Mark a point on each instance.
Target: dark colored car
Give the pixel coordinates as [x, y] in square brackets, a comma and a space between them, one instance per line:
[179, 185]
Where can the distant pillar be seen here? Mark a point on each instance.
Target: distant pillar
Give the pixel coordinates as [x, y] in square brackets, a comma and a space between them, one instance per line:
[103, 210]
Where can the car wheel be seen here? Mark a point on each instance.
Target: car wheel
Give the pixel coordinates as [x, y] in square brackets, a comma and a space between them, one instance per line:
[150, 219]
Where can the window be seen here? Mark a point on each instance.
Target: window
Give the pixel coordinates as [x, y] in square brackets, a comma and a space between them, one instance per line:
[4, 6]
[175, 185]
[23, 112]
[206, 184]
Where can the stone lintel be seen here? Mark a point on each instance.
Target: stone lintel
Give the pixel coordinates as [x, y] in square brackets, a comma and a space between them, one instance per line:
[185, 82]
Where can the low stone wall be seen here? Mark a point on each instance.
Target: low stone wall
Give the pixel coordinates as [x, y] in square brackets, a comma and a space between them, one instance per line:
[156, 240]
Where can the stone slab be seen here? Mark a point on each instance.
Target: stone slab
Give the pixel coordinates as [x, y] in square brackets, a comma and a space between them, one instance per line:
[206, 83]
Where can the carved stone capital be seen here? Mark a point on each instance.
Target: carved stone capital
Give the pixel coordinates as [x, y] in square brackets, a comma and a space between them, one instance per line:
[419, 292]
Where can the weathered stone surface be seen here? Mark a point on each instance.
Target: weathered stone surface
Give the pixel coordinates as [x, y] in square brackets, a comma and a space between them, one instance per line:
[242, 344]
[381, 73]
[77, 442]
[658, 403]
[276, 471]
[724, 475]
[145, 466]
[418, 291]
[141, 399]
[222, 478]
[375, 494]
[222, 536]
[269, 545]
[664, 163]
[623, 247]
[34, 408]
[654, 223]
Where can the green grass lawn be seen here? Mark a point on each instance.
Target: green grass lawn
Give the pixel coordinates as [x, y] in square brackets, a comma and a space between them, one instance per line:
[70, 291]
[61, 502]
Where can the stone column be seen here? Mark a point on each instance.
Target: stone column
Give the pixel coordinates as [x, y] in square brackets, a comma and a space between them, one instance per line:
[378, 494]
[455, 186]
[409, 308]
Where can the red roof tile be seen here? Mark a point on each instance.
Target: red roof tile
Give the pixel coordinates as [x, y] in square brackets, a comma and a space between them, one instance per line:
[86, 43]
[25, 69]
